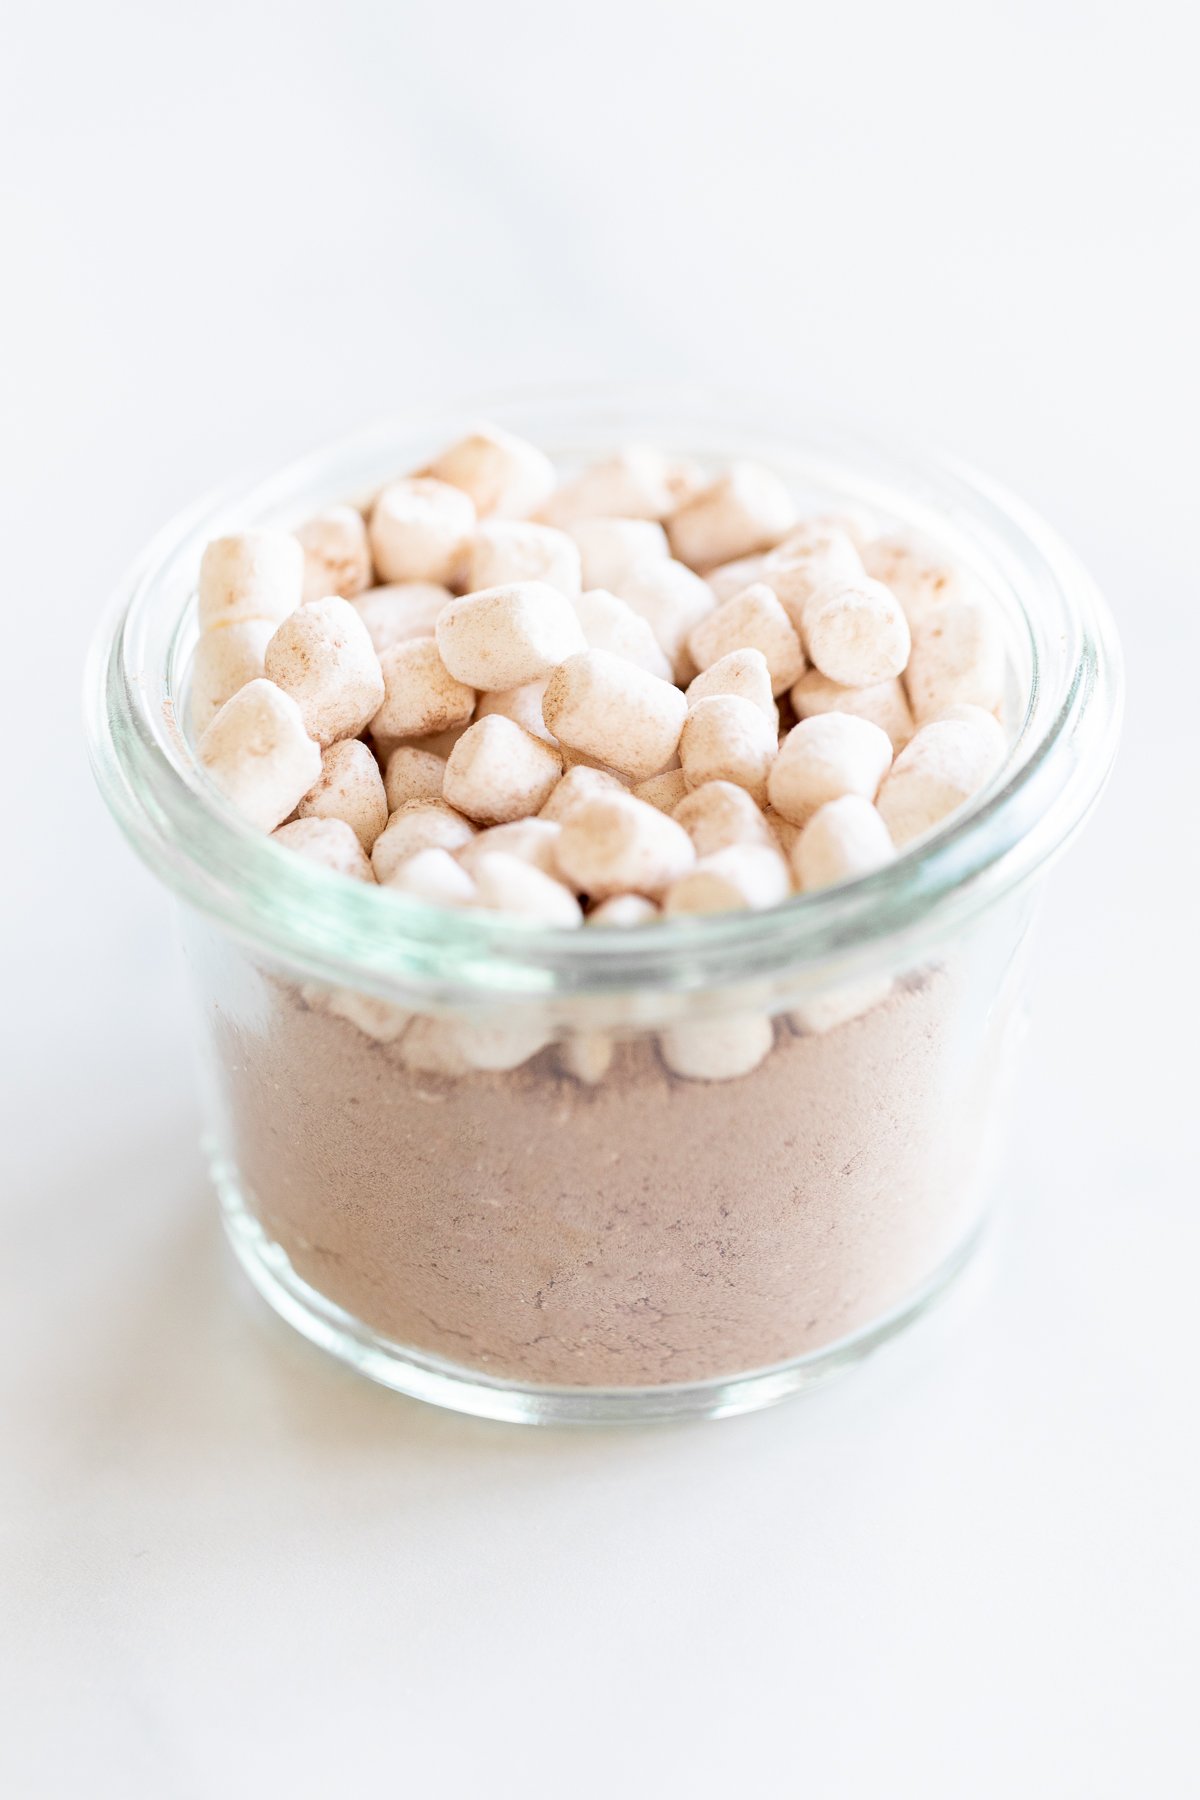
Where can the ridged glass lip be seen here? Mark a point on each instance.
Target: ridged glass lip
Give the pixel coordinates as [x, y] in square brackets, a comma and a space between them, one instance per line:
[1062, 640]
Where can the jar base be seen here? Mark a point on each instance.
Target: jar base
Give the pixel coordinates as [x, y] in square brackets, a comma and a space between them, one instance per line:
[459, 1389]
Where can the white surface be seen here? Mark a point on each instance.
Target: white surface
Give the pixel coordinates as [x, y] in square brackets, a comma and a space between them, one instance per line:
[230, 1569]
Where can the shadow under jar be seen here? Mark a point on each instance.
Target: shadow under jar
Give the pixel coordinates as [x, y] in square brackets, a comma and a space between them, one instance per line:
[485, 1162]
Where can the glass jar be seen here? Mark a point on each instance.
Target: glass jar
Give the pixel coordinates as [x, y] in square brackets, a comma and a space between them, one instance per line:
[671, 1171]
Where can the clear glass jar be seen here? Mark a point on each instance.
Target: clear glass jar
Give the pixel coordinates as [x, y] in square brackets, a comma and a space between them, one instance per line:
[482, 1161]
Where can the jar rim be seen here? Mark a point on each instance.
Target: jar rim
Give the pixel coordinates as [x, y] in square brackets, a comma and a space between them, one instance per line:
[311, 920]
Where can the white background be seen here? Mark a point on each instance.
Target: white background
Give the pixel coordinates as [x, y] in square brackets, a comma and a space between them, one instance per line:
[232, 1570]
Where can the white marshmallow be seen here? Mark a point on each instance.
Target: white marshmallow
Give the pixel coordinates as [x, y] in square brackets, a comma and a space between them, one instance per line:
[506, 476]
[740, 672]
[844, 839]
[664, 791]
[577, 785]
[672, 599]
[421, 697]
[612, 624]
[623, 912]
[497, 772]
[588, 1057]
[609, 709]
[503, 637]
[885, 704]
[417, 825]
[337, 556]
[857, 633]
[405, 610]
[253, 575]
[329, 843]
[716, 1049]
[636, 483]
[614, 844]
[725, 738]
[509, 884]
[718, 814]
[957, 659]
[226, 658]
[349, 788]
[739, 877]
[376, 1018]
[435, 877]
[501, 1046]
[529, 840]
[746, 509]
[258, 753]
[523, 705]
[322, 655]
[731, 578]
[752, 620]
[812, 559]
[505, 551]
[947, 762]
[824, 757]
[430, 1047]
[920, 582]
[420, 530]
[412, 773]
[610, 548]
[840, 1005]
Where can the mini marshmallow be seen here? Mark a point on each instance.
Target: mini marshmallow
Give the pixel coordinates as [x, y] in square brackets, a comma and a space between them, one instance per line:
[376, 1018]
[728, 739]
[957, 659]
[856, 633]
[623, 912]
[506, 551]
[412, 774]
[255, 575]
[501, 1046]
[885, 704]
[508, 884]
[329, 843]
[612, 624]
[608, 708]
[946, 762]
[505, 636]
[752, 620]
[405, 610]
[782, 830]
[337, 556]
[716, 1049]
[429, 1047]
[421, 697]
[745, 510]
[636, 483]
[824, 757]
[718, 814]
[614, 844]
[435, 877]
[919, 581]
[610, 548]
[672, 599]
[844, 839]
[740, 672]
[417, 825]
[258, 753]
[530, 840]
[420, 530]
[664, 791]
[351, 789]
[226, 658]
[497, 772]
[523, 705]
[506, 476]
[840, 1006]
[813, 558]
[732, 577]
[588, 1057]
[741, 876]
[322, 655]
[577, 785]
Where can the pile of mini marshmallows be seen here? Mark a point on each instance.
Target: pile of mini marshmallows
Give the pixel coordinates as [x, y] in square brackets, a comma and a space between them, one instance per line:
[635, 694]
